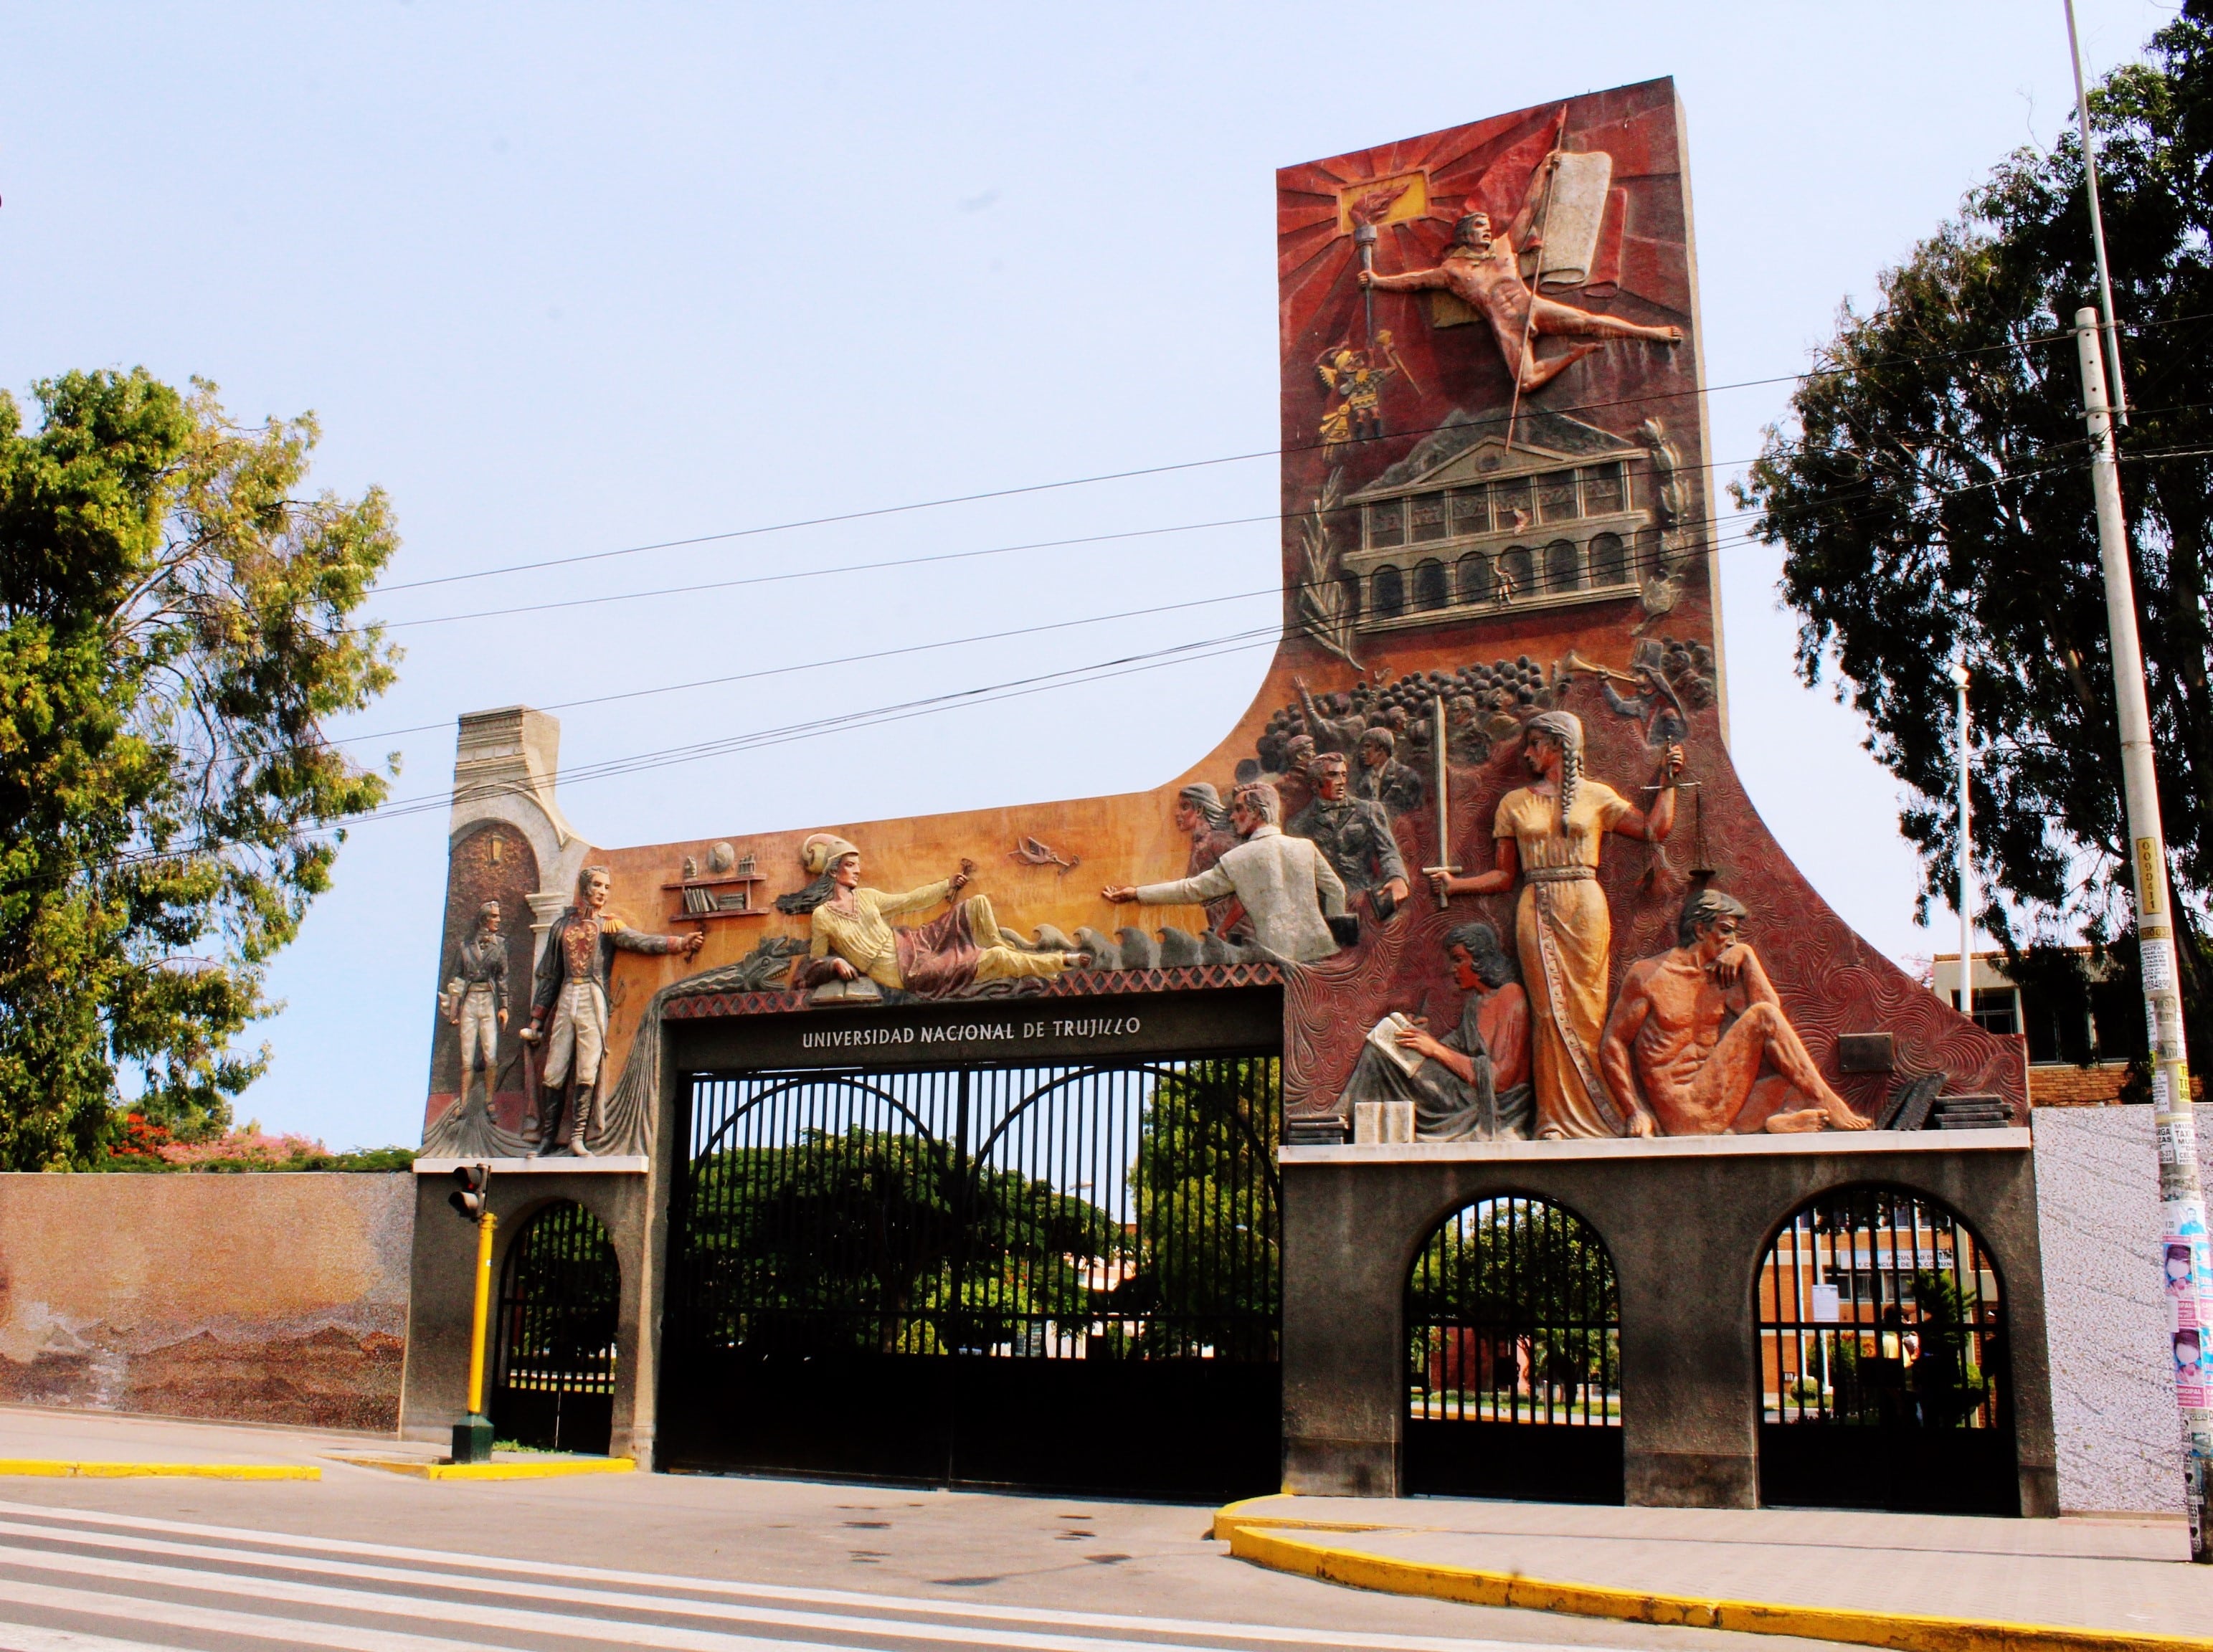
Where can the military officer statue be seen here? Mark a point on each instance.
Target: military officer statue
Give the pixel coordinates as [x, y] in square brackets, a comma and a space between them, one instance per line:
[479, 1005]
[1354, 835]
[569, 1009]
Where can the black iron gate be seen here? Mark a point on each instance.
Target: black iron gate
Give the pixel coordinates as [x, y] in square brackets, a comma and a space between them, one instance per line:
[1046, 1276]
[1883, 1362]
[1514, 1357]
[554, 1367]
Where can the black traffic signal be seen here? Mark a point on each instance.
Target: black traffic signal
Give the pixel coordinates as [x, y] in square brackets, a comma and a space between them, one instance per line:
[472, 1187]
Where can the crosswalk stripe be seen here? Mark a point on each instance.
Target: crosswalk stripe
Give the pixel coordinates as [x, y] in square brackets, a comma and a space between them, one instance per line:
[28, 1637]
[672, 1606]
[370, 1603]
[177, 1614]
[973, 1611]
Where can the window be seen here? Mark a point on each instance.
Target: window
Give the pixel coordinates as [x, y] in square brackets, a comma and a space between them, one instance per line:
[1997, 1010]
[1429, 517]
[1602, 490]
[1512, 501]
[1390, 588]
[1516, 572]
[1386, 523]
[1609, 560]
[1555, 497]
[1476, 584]
[1563, 566]
[1430, 590]
[1471, 511]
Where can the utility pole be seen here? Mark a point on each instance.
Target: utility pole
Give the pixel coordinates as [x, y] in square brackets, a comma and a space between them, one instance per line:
[2186, 1265]
[1966, 855]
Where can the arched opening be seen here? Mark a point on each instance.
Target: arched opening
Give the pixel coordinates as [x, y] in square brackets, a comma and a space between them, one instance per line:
[553, 1371]
[1430, 585]
[1390, 594]
[1514, 1356]
[1609, 560]
[1475, 582]
[1516, 572]
[1563, 566]
[1884, 1375]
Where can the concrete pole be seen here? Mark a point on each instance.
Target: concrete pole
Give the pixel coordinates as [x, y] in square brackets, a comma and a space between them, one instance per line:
[2186, 1265]
[1966, 855]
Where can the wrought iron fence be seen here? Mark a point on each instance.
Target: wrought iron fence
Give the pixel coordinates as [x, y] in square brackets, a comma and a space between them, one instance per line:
[553, 1371]
[1877, 1307]
[1513, 1316]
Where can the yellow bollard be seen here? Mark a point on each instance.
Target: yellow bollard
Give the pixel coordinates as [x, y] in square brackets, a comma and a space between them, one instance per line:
[485, 1224]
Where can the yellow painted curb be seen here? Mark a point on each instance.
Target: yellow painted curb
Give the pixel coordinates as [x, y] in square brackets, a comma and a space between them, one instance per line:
[553, 1469]
[51, 1469]
[1906, 1633]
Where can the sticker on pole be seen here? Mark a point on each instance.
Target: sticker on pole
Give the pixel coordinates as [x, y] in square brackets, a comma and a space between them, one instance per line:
[2158, 963]
[2148, 879]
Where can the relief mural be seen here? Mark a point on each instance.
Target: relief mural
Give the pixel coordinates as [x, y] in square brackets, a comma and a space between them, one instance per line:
[1481, 823]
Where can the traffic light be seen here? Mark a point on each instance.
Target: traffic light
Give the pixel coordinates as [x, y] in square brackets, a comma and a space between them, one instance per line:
[471, 1190]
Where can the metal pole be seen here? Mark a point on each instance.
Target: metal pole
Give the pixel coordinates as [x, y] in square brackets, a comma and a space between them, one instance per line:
[1966, 855]
[2188, 1283]
[2097, 220]
[486, 1224]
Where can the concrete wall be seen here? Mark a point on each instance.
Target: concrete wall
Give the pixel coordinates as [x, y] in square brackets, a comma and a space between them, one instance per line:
[2113, 1384]
[264, 1297]
[1688, 1222]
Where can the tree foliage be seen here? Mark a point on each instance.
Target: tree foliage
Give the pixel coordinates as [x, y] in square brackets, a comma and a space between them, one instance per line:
[1935, 496]
[174, 629]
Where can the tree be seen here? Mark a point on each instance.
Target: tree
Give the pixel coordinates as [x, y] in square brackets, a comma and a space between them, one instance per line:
[1935, 496]
[173, 631]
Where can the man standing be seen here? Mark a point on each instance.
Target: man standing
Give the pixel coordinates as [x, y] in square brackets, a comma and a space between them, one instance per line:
[572, 997]
[1693, 1029]
[1200, 816]
[1287, 887]
[1353, 836]
[480, 972]
[1384, 779]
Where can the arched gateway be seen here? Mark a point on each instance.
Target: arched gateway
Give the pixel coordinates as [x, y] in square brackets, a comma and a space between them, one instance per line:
[1514, 1357]
[1884, 1370]
[554, 1367]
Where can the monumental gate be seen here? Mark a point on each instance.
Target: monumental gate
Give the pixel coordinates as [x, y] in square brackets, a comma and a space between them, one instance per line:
[1446, 1084]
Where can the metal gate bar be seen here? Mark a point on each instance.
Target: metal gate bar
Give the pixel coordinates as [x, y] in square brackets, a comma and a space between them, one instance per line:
[553, 1367]
[960, 1273]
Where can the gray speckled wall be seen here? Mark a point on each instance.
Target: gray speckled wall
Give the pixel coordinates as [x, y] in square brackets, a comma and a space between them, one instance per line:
[2112, 1404]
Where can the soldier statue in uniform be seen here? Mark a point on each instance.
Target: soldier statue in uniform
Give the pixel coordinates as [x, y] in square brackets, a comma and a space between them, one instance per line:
[569, 1010]
[477, 993]
[1353, 836]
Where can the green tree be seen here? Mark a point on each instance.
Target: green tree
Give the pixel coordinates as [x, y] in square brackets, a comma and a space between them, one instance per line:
[1934, 495]
[174, 629]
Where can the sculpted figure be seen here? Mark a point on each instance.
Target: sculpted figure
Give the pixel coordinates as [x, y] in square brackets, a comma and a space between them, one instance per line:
[1287, 887]
[1484, 270]
[853, 935]
[1331, 733]
[569, 1009]
[1473, 1084]
[1384, 779]
[1698, 1042]
[1549, 834]
[480, 970]
[1201, 815]
[1355, 835]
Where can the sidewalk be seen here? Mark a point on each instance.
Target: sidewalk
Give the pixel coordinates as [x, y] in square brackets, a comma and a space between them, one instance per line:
[2123, 1578]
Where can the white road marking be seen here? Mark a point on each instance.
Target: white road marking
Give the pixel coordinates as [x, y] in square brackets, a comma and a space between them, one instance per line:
[176, 1615]
[22, 1637]
[969, 1610]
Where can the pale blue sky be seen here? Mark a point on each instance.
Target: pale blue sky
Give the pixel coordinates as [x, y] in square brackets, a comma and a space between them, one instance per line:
[568, 279]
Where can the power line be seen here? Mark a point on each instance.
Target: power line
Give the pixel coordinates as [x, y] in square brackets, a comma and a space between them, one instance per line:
[1199, 464]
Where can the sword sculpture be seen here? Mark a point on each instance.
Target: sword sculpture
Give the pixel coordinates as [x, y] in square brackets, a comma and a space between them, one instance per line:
[1440, 781]
[1364, 237]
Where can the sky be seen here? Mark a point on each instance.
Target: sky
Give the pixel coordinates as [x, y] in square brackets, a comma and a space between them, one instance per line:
[566, 280]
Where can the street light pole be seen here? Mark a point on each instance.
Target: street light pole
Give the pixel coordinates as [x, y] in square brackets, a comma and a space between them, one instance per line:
[1966, 857]
[2186, 1266]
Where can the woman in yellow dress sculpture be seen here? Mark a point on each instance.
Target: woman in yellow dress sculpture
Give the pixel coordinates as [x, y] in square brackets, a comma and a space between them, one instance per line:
[853, 935]
[1548, 834]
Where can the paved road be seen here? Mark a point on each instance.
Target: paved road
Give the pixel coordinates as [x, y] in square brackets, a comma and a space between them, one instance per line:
[81, 1582]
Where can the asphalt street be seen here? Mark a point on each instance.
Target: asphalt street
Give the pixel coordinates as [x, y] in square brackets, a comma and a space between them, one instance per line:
[365, 1559]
